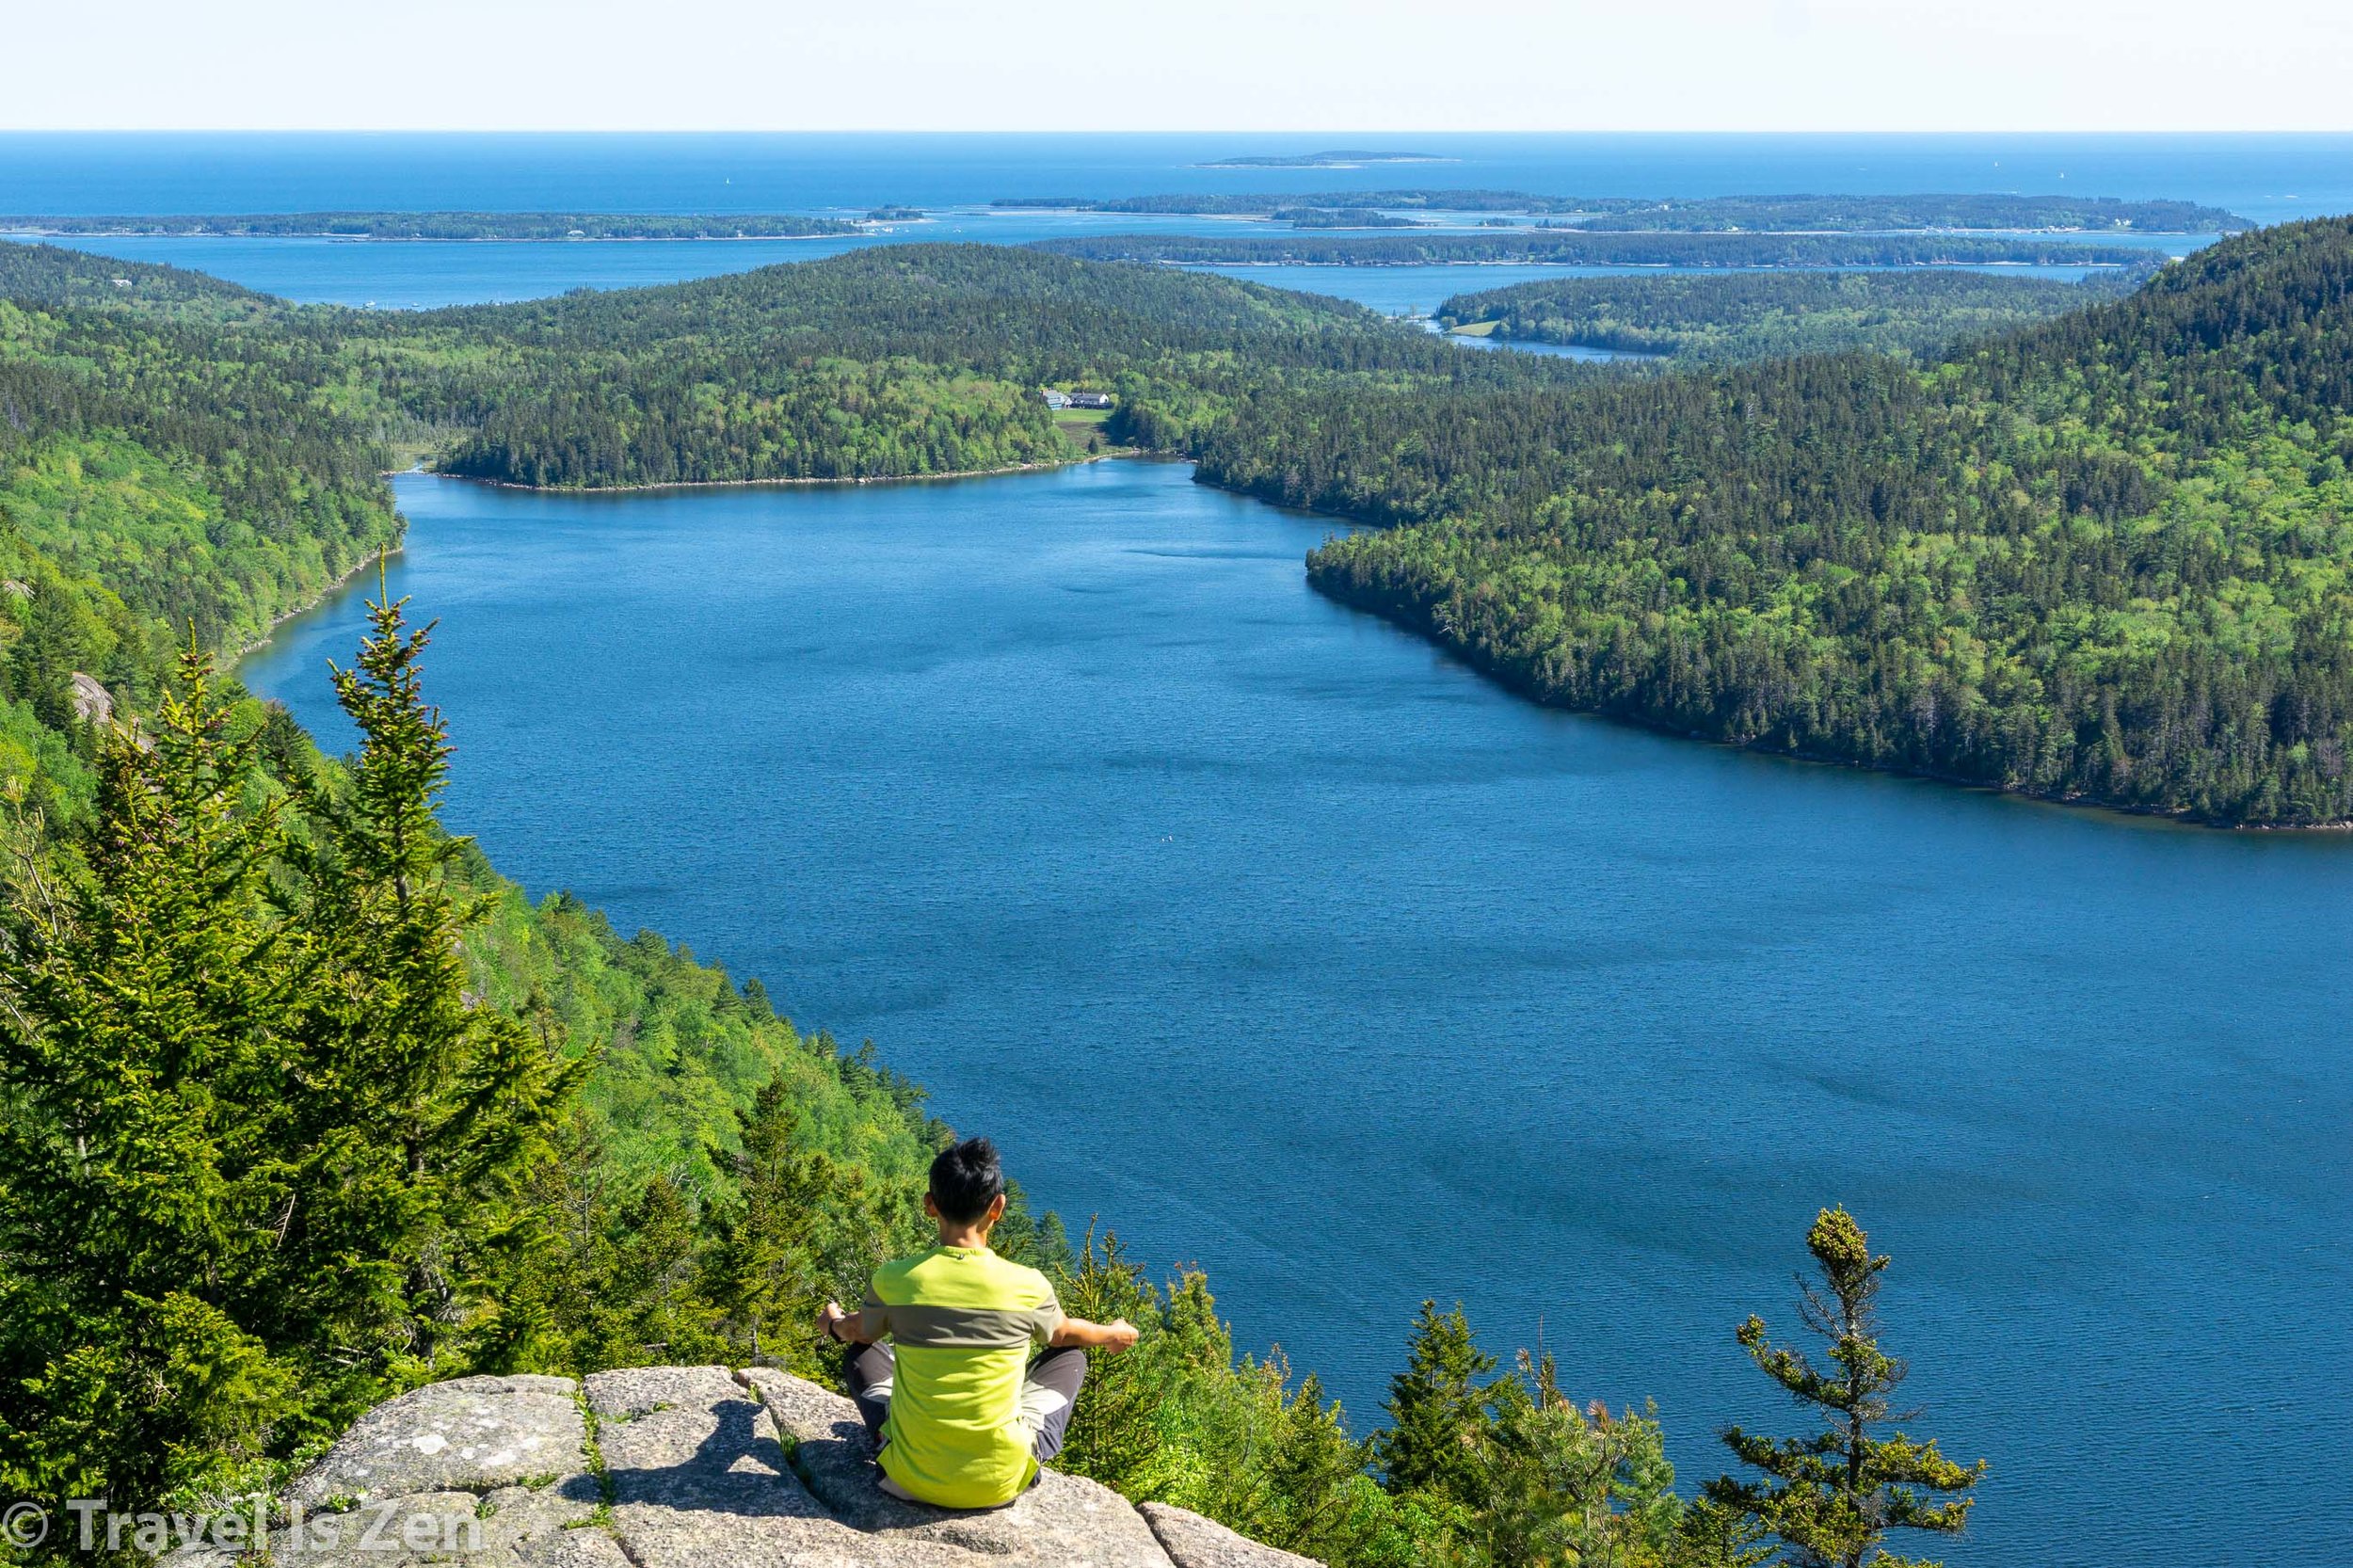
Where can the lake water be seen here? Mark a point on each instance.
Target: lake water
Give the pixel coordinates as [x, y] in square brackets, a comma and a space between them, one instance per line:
[1285, 944]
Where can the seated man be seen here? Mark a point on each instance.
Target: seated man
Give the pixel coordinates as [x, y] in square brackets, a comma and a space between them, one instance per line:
[963, 1414]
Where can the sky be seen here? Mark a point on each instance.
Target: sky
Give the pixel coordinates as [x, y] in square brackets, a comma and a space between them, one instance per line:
[1232, 65]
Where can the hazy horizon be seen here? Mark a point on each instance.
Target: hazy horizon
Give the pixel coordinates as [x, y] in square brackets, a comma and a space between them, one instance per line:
[1293, 67]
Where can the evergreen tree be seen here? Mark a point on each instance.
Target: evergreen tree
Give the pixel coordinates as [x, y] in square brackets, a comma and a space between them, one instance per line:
[1832, 1497]
[1559, 1485]
[261, 1161]
[421, 1113]
[762, 1269]
[1438, 1411]
[142, 1162]
[1116, 1433]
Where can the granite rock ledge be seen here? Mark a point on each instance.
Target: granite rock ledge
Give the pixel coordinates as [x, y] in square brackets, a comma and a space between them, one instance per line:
[679, 1467]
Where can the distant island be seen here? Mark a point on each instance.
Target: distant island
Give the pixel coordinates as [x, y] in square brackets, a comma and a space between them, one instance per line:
[1344, 157]
[1714, 214]
[895, 215]
[442, 226]
[1342, 218]
[1427, 246]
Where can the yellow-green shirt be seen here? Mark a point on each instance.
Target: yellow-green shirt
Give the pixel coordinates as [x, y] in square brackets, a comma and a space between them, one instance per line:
[961, 1324]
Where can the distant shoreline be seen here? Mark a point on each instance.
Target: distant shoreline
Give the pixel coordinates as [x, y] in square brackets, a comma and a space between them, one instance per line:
[8, 231]
[1075, 461]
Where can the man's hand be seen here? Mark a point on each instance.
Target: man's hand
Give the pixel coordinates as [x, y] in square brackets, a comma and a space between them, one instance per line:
[827, 1316]
[1117, 1335]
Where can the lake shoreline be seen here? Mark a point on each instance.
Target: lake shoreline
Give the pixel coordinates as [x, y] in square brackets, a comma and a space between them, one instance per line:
[1402, 616]
[324, 593]
[1007, 470]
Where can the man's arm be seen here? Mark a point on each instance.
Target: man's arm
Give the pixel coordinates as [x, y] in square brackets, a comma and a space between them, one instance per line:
[849, 1328]
[1114, 1336]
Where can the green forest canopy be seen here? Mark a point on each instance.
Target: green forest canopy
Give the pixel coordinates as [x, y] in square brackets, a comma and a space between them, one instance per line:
[2104, 558]
[1759, 316]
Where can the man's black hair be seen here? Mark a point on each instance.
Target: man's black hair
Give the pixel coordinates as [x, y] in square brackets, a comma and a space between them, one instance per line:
[966, 1179]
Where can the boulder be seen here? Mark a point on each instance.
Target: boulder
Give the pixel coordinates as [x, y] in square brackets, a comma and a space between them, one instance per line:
[1194, 1542]
[1062, 1522]
[677, 1467]
[472, 1435]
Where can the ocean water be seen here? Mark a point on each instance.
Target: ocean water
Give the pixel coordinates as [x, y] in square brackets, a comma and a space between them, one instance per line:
[1269, 936]
[2267, 178]
[2264, 178]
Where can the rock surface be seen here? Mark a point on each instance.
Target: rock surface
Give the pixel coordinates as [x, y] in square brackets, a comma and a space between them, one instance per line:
[679, 1467]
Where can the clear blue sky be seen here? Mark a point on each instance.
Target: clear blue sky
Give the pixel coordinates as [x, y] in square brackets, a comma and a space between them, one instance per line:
[1303, 65]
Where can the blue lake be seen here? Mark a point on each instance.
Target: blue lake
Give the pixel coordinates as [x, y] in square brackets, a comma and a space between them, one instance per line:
[1286, 945]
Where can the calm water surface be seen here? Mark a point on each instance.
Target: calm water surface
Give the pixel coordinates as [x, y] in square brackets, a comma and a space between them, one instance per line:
[2267, 178]
[410, 275]
[1289, 946]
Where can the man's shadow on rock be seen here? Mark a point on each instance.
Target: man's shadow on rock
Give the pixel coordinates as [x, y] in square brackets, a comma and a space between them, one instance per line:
[737, 1469]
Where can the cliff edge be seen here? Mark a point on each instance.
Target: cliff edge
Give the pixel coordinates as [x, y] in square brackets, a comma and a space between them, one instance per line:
[679, 1468]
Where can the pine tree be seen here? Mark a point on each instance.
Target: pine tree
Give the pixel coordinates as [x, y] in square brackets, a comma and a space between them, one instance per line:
[263, 1159]
[1832, 1497]
[423, 1114]
[1116, 1435]
[764, 1270]
[143, 1003]
[1438, 1411]
[1562, 1485]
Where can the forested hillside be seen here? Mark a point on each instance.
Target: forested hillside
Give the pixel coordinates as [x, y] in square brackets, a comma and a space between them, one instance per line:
[909, 359]
[164, 470]
[1752, 315]
[2104, 558]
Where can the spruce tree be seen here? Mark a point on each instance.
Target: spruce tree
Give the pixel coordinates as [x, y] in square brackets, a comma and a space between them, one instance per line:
[1832, 1497]
[143, 1010]
[1117, 1434]
[764, 1270]
[261, 1158]
[1438, 1411]
[1564, 1485]
[423, 1114]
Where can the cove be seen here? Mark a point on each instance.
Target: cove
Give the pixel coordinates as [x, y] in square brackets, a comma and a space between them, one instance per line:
[1284, 945]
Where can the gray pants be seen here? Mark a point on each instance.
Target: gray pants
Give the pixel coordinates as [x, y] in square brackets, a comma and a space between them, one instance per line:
[1047, 1394]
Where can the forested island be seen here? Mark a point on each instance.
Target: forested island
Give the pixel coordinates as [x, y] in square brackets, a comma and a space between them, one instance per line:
[1342, 218]
[307, 1106]
[1757, 315]
[444, 226]
[1768, 214]
[1857, 214]
[1576, 247]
